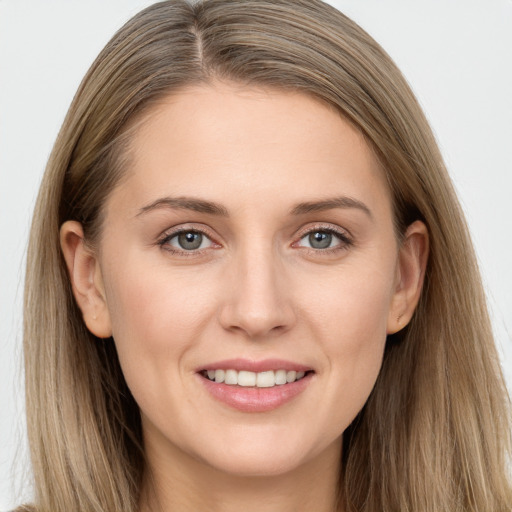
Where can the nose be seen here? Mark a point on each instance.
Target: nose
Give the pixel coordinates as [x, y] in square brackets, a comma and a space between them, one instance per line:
[257, 296]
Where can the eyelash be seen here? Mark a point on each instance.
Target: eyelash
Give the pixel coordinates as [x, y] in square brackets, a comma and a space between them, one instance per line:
[163, 242]
[345, 240]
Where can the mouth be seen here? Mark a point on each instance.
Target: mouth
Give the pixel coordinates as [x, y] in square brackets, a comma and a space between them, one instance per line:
[248, 379]
[251, 386]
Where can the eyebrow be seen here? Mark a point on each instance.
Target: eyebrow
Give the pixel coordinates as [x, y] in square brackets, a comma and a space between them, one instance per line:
[186, 203]
[209, 207]
[329, 204]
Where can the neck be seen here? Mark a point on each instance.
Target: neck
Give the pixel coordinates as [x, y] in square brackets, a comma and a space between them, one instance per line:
[181, 483]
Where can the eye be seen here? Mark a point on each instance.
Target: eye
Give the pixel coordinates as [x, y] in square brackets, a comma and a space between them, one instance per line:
[189, 240]
[324, 239]
[319, 240]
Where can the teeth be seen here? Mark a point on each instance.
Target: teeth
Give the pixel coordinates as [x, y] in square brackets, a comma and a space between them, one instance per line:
[231, 377]
[265, 379]
[280, 377]
[291, 376]
[244, 378]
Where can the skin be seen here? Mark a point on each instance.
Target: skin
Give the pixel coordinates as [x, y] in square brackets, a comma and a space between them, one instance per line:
[255, 290]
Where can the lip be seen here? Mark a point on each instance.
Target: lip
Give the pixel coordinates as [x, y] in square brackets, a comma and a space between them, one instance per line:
[255, 366]
[252, 399]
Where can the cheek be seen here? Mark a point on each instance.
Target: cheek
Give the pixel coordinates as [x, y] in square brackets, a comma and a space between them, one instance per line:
[152, 305]
[156, 321]
[157, 316]
[352, 307]
[350, 320]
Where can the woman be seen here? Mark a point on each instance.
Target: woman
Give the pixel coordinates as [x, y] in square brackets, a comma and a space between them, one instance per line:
[250, 283]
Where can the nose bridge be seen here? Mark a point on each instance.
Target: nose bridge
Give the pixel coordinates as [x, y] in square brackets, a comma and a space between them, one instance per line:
[257, 301]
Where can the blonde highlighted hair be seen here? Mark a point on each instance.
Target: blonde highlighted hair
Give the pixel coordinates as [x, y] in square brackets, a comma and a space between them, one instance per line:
[434, 434]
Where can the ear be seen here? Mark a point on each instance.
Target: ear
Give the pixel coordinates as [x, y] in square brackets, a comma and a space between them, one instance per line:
[86, 279]
[410, 274]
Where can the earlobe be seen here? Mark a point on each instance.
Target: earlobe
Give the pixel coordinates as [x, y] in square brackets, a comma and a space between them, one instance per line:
[86, 279]
[411, 267]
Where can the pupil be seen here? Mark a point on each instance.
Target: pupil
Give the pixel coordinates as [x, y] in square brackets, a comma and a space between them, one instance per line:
[320, 240]
[190, 240]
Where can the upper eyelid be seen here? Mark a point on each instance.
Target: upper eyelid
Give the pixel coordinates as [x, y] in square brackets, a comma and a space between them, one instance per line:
[172, 232]
[324, 227]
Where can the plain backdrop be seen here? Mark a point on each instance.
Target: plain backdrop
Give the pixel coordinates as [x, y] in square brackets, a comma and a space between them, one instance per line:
[457, 54]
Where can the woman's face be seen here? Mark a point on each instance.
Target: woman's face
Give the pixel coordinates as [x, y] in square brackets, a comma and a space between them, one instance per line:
[251, 240]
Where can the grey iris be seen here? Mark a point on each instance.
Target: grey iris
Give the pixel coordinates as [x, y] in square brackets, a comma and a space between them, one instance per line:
[190, 240]
[320, 240]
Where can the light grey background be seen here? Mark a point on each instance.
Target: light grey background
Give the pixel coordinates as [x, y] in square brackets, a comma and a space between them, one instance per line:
[457, 54]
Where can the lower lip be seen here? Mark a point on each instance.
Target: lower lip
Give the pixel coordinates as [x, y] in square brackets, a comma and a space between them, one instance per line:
[252, 399]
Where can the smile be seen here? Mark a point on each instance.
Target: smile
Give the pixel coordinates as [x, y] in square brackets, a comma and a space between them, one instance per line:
[255, 386]
[244, 378]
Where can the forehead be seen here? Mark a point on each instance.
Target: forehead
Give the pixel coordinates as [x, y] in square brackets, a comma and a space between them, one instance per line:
[228, 142]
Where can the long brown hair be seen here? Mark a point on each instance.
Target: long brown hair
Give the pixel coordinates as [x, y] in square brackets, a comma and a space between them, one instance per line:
[434, 434]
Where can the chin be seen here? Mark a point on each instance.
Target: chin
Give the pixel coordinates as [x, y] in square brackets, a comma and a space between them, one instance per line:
[255, 456]
[257, 466]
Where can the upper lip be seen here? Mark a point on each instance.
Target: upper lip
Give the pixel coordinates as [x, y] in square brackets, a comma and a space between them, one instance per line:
[255, 366]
